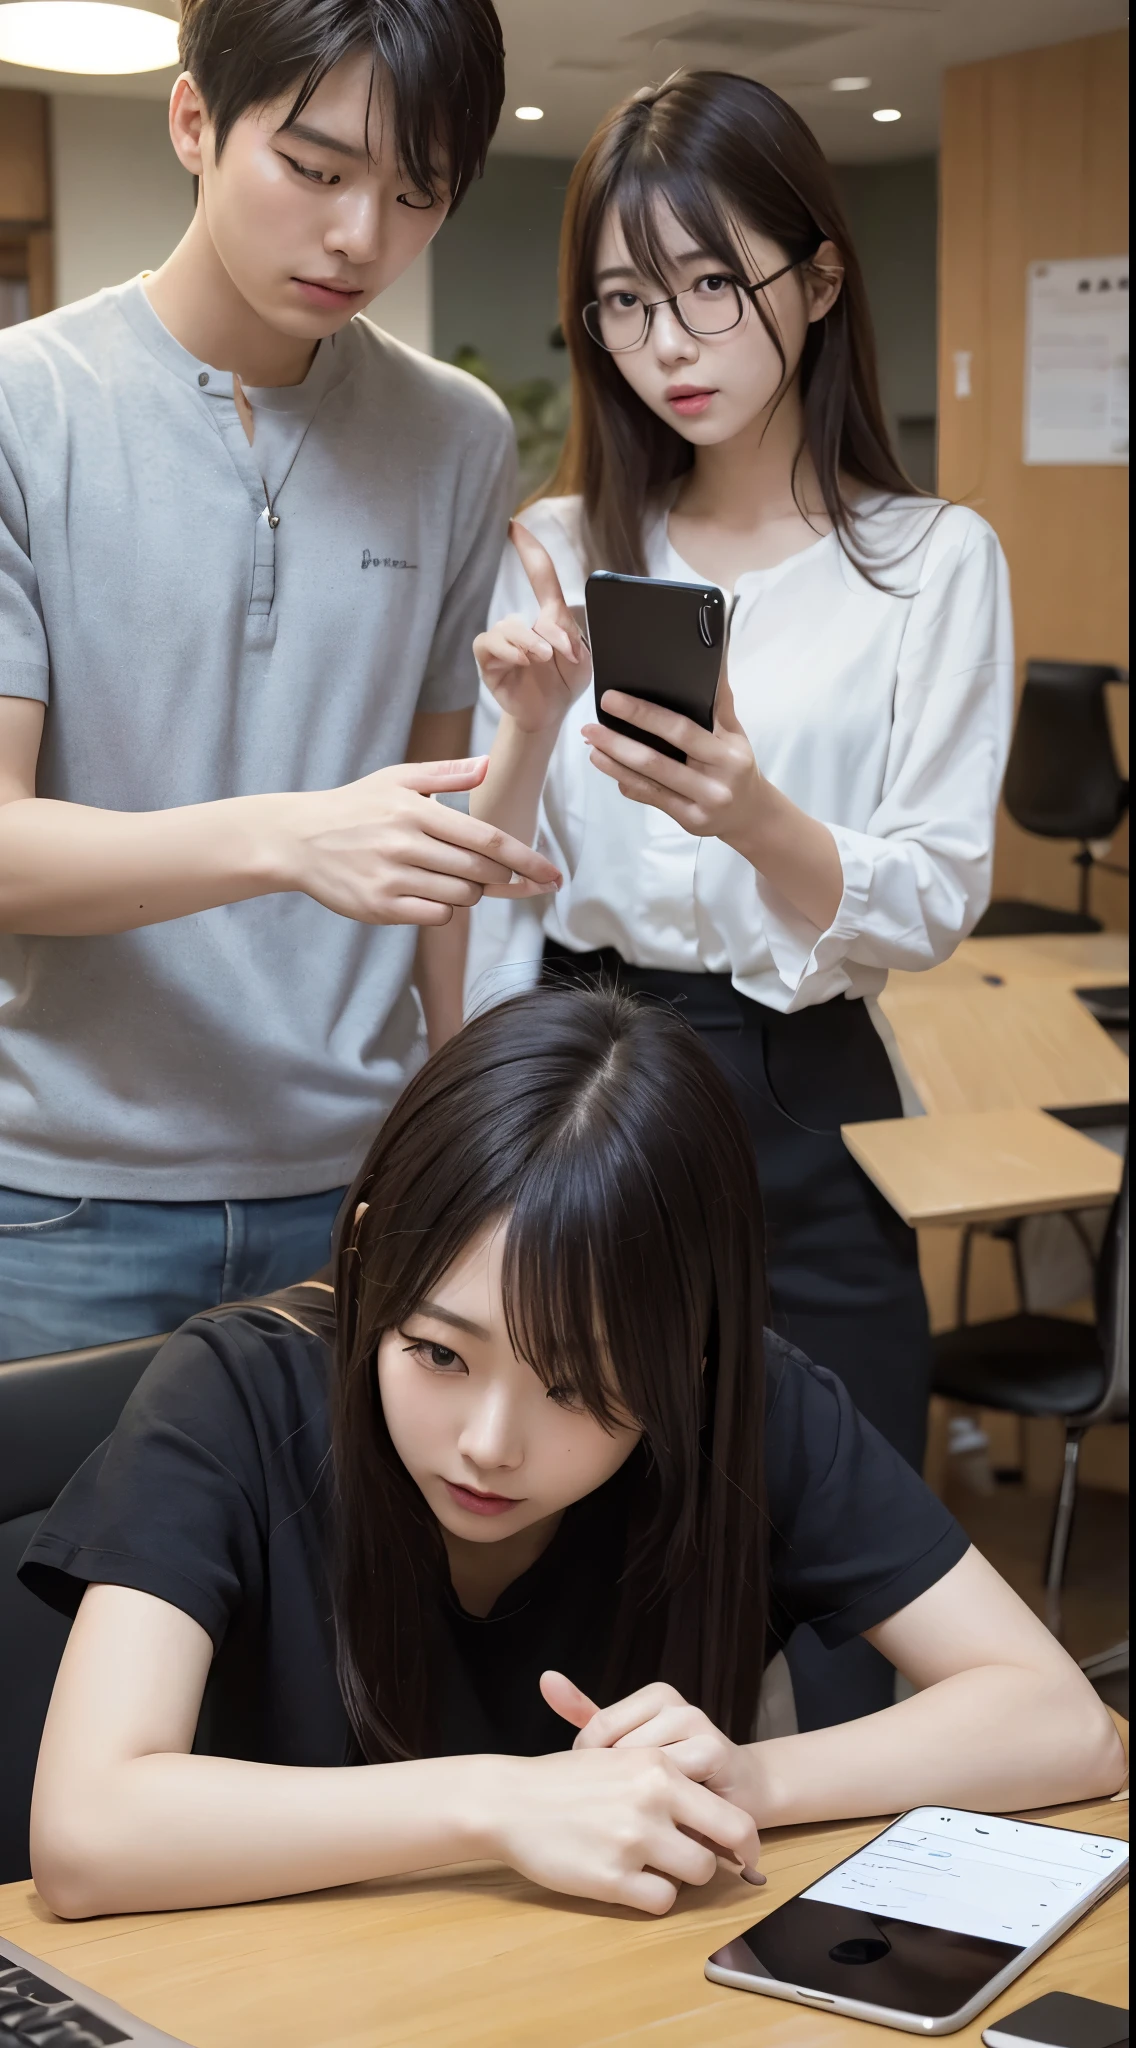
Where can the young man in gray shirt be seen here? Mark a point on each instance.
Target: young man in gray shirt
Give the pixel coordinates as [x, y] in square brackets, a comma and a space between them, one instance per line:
[245, 542]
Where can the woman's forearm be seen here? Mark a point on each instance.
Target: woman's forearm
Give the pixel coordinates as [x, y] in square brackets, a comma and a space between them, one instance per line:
[796, 853]
[509, 796]
[168, 1831]
[439, 977]
[999, 1738]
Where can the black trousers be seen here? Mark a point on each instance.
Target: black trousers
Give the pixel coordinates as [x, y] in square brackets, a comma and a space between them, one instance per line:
[842, 1266]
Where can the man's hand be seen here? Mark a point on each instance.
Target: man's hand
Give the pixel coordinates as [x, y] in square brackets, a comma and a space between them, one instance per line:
[535, 672]
[381, 851]
[378, 849]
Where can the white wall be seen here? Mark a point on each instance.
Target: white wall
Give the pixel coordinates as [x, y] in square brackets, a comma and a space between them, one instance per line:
[122, 202]
[407, 309]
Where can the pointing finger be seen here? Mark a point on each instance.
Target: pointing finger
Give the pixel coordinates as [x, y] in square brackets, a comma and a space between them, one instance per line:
[538, 566]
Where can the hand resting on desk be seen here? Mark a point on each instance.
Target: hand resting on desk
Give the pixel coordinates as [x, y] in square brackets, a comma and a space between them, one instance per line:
[127, 1820]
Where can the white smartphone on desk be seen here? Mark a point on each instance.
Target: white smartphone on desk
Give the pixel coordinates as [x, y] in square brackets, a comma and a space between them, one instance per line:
[929, 1922]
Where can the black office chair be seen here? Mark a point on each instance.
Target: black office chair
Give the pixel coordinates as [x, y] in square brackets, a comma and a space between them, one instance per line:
[1033, 1365]
[54, 1412]
[1062, 782]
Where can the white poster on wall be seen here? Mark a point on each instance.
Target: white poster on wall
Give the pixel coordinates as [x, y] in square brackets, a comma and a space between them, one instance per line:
[1076, 382]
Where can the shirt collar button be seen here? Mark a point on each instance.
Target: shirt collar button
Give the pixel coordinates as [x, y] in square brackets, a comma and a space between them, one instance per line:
[203, 377]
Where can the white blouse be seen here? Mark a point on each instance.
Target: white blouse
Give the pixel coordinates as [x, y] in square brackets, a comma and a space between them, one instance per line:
[884, 713]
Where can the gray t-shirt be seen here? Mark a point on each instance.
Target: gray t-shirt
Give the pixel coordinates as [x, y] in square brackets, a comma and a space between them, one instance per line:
[187, 649]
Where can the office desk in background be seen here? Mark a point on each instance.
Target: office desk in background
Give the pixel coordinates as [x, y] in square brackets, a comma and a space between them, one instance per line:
[991, 1040]
[484, 1960]
[983, 1166]
[1078, 960]
[998, 1025]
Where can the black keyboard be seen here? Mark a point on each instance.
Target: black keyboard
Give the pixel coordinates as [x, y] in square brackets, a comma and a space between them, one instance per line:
[41, 2008]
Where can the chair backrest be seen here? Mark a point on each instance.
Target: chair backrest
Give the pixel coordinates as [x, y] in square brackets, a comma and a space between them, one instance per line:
[1112, 1310]
[54, 1411]
[1062, 780]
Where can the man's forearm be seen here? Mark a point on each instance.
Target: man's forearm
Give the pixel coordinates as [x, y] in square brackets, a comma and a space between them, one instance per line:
[509, 797]
[70, 871]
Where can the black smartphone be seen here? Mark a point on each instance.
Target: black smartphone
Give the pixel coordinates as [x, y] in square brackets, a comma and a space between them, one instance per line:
[662, 641]
[1060, 2020]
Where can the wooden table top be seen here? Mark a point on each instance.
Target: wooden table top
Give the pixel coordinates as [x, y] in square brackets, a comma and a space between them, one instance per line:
[1077, 960]
[1024, 1044]
[983, 1165]
[481, 1959]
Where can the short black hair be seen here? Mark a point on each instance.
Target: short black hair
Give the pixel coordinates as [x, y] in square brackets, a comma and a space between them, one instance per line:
[445, 60]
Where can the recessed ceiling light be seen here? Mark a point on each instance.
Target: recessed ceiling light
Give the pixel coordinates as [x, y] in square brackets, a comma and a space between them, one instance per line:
[887, 114]
[523, 113]
[90, 36]
[848, 84]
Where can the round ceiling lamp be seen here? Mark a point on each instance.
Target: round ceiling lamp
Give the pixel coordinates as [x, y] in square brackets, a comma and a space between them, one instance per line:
[89, 36]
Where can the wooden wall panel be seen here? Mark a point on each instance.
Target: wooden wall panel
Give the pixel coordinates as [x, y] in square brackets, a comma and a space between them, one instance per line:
[24, 190]
[41, 271]
[1034, 165]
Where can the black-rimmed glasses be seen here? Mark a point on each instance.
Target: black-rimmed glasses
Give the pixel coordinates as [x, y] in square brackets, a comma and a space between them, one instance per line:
[621, 320]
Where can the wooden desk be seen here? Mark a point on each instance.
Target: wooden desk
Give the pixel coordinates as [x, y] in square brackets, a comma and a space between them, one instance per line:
[1088, 960]
[1028, 1043]
[982, 1166]
[483, 1960]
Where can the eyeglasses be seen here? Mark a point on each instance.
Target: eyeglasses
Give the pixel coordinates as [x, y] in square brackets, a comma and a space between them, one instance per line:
[621, 320]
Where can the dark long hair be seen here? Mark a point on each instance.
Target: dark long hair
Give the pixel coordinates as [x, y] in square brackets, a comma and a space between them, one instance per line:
[602, 1133]
[717, 149]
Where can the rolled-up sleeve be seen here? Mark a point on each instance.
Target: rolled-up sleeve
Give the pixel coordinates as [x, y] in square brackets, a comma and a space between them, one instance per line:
[917, 876]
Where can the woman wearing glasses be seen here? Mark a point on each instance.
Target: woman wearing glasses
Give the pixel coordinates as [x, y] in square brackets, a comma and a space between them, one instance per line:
[839, 819]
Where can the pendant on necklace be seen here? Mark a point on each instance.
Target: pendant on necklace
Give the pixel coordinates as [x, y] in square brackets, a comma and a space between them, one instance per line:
[274, 519]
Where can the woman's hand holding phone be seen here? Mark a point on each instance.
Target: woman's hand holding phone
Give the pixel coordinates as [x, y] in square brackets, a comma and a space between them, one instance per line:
[715, 793]
[719, 792]
[535, 672]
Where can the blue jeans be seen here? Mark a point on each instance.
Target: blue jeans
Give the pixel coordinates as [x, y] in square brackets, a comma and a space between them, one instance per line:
[78, 1272]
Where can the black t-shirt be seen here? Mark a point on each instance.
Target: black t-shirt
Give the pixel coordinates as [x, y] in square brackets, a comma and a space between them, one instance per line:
[214, 1494]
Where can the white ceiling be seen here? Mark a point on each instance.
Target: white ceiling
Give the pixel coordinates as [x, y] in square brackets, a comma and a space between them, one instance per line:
[575, 57]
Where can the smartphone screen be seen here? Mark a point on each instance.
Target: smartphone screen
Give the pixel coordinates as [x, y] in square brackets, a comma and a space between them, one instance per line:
[929, 1913]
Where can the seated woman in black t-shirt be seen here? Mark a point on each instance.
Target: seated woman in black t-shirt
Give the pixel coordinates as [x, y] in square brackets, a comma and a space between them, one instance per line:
[540, 1455]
